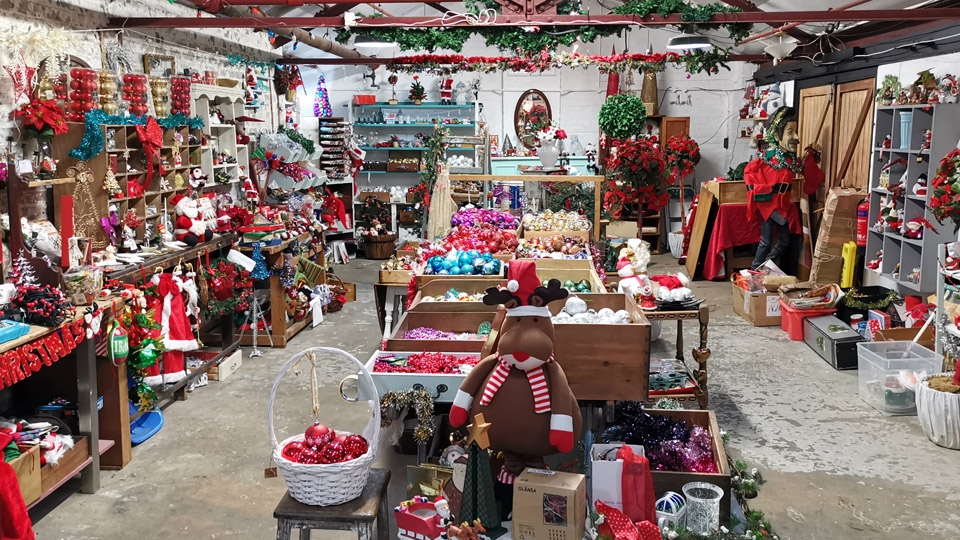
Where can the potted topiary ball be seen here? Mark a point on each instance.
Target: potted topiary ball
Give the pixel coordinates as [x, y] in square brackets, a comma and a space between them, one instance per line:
[623, 116]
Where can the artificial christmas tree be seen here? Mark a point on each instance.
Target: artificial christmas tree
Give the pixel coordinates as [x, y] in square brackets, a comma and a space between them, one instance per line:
[260, 267]
[321, 103]
[22, 272]
[479, 502]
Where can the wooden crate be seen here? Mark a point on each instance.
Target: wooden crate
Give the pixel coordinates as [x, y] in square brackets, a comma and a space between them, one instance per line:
[227, 367]
[570, 269]
[423, 279]
[27, 467]
[585, 235]
[604, 362]
[396, 277]
[382, 196]
[469, 285]
[664, 481]
[736, 192]
[67, 466]
[448, 321]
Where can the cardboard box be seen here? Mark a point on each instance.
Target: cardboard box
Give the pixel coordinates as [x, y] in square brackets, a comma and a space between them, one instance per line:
[838, 226]
[27, 467]
[759, 309]
[227, 367]
[606, 473]
[549, 505]
[906, 334]
[364, 99]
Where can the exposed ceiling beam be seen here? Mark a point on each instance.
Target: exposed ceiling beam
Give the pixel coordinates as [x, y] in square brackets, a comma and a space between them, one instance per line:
[747, 5]
[437, 6]
[383, 61]
[763, 17]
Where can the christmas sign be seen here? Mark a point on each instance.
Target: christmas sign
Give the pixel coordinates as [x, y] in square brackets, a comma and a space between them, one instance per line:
[25, 360]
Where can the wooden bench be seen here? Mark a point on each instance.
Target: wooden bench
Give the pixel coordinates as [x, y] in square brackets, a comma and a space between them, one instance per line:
[357, 515]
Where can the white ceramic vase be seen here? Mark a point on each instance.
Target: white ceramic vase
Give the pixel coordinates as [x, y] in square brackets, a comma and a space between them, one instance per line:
[548, 153]
[939, 415]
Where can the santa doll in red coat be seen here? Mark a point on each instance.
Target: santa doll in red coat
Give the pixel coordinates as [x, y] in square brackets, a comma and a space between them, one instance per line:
[190, 228]
[171, 313]
[769, 180]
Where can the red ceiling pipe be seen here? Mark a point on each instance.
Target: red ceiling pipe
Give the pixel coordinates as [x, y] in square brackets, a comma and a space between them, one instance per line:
[384, 61]
[792, 25]
[800, 17]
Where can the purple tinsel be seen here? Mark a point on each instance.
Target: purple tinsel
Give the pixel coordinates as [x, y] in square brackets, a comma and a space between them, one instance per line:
[669, 445]
[424, 332]
[475, 217]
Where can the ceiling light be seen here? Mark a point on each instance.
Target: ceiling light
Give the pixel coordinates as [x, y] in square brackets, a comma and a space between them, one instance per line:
[687, 41]
[781, 50]
[369, 42]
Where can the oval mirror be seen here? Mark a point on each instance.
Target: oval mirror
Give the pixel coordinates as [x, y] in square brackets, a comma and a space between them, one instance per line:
[532, 114]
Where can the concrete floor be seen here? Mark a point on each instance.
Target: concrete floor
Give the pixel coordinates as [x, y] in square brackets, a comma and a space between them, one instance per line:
[835, 468]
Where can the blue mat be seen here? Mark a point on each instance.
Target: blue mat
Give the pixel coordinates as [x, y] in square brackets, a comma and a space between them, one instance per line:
[146, 426]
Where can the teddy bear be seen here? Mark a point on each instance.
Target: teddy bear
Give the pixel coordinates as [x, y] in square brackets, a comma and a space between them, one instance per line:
[630, 283]
[190, 229]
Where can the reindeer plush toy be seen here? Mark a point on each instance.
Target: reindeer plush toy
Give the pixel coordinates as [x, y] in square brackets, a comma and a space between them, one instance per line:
[520, 390]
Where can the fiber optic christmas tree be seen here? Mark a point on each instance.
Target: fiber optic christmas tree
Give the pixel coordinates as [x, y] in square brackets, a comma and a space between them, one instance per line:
[321, 103]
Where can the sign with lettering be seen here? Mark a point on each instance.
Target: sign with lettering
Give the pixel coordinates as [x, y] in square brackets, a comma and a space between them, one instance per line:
[19, 363]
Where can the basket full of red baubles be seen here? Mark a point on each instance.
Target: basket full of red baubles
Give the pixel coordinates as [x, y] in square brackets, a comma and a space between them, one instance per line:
[324, 467]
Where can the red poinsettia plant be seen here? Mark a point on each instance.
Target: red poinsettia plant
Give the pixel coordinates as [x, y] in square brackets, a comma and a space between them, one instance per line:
[682, 154]
[945, 200]
[42, 117]
[636, 175]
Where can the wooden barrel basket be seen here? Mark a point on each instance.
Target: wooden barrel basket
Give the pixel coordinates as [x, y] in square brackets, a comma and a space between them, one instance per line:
[380, 247]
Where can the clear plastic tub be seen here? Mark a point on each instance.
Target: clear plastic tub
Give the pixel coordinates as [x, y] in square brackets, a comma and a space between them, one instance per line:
[886, 371]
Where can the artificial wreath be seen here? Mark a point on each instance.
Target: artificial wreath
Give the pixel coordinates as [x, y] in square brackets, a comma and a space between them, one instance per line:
[373, 209]
[692, 14]
[230, 289]
[636, 176]
[622, 116]
[945, 201]
[393, 406]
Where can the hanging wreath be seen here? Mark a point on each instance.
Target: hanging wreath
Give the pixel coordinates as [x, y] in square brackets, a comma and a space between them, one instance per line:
[636, 176]
[945, 201]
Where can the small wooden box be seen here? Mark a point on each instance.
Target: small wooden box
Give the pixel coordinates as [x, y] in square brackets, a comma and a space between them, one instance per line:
[447, 321]
[736, 192]
[227, 367]
[27, 467]
[673, 481]
[469, 285]
[67, 466]
[382, 196]
[574, 270]
[405, 216]
[396, 277]
[411, 161]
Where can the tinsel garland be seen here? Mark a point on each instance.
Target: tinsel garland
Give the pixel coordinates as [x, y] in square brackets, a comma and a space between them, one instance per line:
[298, 138]
[394, 404]
[670, 445]
[852, 299]
[239, 60]
[92, 142]
[533, 62]
[285, 273]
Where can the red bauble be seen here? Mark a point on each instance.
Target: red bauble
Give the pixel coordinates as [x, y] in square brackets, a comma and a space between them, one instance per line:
[318, 435]
[356, 445]
[333, 452]
[293, 450]
[341, 438]
[309, 456]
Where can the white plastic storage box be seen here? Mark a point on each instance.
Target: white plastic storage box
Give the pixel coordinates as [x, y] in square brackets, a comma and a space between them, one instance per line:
[887, 371]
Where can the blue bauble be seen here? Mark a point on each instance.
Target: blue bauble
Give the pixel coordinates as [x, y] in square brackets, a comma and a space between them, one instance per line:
[496, 265]
[487, 257]
[474, 254]
[427, 270]
[467, 269]
[437, 264]
[465, 258]
[447, 264]
[443, 273]
[488, 269]
[455, 271]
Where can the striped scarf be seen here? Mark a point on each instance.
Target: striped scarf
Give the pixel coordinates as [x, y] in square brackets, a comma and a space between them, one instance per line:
[535, 376]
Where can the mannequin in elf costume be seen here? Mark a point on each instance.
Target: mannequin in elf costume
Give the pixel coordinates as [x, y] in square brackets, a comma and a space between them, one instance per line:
[520, 390]
[769, 180]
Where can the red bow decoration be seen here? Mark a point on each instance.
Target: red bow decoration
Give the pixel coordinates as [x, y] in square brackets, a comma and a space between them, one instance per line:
[618, 526]
[151, 137]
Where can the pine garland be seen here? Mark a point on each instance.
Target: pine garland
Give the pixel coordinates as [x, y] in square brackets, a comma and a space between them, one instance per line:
[298, 138]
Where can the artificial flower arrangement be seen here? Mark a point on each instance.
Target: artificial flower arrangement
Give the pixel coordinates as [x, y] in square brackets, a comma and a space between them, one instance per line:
[637, 175]
[417, 91]
[945, 201]
[551, 133]
[536, 118]
[42, 118]
[682, 154]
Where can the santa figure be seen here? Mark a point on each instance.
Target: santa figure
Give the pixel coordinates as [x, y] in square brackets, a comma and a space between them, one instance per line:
[171, 314]
[251, 194]
[190, 229]
[446, 89]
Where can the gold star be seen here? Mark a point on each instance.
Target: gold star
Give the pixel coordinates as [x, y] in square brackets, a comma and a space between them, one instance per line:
[478, 432]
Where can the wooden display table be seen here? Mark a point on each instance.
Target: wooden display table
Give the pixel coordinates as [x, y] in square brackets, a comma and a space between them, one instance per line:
[701, 353]
[278, 301]
[358, 515]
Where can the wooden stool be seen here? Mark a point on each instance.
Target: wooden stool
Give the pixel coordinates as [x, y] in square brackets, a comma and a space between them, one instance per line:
[356, 515]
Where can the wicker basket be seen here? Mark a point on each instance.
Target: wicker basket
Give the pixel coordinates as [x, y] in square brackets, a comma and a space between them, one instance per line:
[380, 247]
[334, 483]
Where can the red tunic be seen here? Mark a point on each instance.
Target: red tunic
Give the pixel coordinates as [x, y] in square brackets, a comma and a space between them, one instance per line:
[768, 188]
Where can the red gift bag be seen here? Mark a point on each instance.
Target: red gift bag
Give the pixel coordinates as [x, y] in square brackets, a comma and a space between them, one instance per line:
[639, 500]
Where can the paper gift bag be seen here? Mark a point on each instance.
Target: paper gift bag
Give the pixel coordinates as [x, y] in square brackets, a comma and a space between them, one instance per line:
[620, 480]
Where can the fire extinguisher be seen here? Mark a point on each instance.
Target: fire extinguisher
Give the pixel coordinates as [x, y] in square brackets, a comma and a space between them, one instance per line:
[863, 216]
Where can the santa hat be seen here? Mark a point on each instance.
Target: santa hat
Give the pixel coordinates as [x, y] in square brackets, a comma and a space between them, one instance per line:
[180, 202]
[523, 281]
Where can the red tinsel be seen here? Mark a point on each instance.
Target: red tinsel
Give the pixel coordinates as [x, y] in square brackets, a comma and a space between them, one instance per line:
[427, 362]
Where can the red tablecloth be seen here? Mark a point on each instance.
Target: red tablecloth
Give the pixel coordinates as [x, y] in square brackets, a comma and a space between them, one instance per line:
[732, 228]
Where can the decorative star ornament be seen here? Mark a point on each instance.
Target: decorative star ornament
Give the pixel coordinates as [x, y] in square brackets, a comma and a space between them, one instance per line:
[477, 432]
[22, 76]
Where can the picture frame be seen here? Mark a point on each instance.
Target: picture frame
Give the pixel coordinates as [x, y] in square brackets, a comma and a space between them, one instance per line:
[159, 65]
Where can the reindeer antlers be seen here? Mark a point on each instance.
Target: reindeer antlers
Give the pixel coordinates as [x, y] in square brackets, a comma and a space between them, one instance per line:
[544, 295]
[496, 296]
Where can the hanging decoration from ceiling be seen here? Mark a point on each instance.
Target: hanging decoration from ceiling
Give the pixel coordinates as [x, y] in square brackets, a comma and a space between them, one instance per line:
[532, 63]
[696, 15]
[321, 102]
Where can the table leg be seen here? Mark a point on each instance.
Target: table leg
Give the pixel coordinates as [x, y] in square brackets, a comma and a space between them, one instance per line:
[701, 354]
[284, 529]
[383, 519]
[87, 412]
[304, 533]
[679, 340]
[388, 319]
[365, 531]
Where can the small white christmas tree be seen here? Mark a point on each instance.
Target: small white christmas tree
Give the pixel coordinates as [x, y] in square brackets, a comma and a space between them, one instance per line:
[22, 272]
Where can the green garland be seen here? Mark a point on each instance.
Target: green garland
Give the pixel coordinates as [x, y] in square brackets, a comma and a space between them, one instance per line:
[696, 15]
[707, 61]
[394, 403]
[298, 138]
[623, 116]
